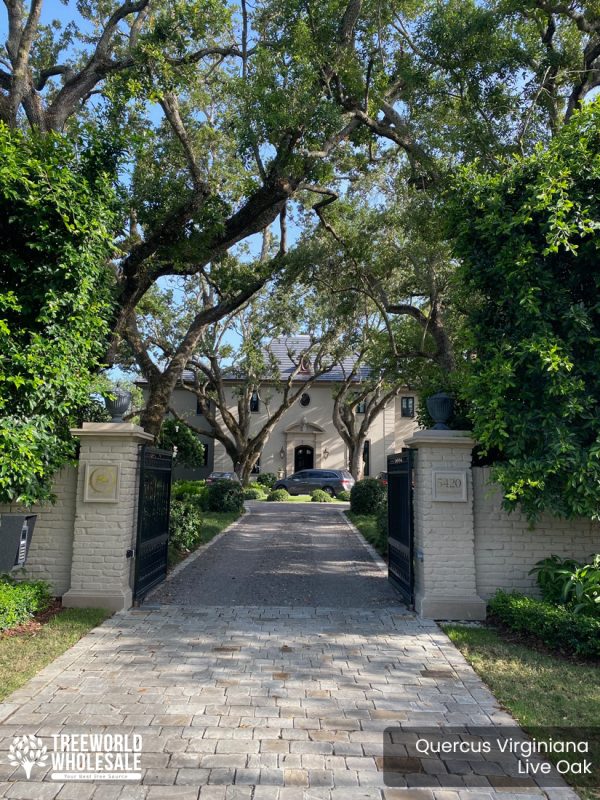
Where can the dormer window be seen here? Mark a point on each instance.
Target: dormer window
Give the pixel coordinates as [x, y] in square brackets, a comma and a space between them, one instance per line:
[254, 402]
[361, 407]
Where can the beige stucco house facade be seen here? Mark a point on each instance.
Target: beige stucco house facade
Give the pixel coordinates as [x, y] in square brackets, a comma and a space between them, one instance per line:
[305, 436]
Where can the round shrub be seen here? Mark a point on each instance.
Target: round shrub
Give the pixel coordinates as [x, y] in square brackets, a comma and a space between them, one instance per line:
[319, 496]
[367, 496]
[267, 479]
[344, 495]
[225, 496]
[252, 493]
[278, 496]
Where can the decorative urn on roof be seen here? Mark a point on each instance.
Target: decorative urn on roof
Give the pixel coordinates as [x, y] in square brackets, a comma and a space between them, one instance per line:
[441, 407]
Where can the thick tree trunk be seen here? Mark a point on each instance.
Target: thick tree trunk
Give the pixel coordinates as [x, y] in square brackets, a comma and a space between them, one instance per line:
[355, 462]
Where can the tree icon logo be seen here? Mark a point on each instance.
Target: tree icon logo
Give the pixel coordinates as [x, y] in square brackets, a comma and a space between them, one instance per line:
[29, 752]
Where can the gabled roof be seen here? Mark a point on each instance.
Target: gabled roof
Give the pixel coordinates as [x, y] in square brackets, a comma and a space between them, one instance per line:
[283, 346]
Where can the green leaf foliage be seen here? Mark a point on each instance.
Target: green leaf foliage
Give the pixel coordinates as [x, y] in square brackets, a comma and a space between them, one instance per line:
[190, 450]
[253, 493]
[19, 601]
[319, 496]
[528, 238]
[558, 628]
[225, 496]
[278, 496]
[567, 582]
[56, 220]
[367, 496]
[267, 479]
[185, 525]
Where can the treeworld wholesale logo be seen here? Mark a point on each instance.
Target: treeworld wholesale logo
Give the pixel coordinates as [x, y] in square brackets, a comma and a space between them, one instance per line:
[81, 756]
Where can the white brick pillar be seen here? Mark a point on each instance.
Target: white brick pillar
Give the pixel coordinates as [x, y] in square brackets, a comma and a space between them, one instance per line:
[105, 515]
[445, 582]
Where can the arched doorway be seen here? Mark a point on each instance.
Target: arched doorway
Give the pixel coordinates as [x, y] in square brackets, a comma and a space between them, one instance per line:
[304, 457]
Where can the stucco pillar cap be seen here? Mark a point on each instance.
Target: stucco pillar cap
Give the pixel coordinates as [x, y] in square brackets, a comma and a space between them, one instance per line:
[114, 430]
[431, 438]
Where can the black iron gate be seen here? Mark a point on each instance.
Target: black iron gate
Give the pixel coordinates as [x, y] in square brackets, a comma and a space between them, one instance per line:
[400, 522]
[153, 519]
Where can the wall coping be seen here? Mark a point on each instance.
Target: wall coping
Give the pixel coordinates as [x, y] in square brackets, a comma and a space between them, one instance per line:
[114, 430]
[432, 438]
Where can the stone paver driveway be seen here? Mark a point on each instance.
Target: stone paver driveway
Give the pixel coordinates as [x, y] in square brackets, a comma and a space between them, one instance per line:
[280, 691]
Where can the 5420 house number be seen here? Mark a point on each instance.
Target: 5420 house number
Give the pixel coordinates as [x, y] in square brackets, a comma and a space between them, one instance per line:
[449, 486]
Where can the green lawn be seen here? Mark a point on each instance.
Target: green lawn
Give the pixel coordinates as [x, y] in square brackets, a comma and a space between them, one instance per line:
[23, 655]
[538, 688]
[367, 525]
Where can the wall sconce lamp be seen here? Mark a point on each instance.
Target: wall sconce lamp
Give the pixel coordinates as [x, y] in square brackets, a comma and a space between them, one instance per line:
[326, 453]
[282, 453]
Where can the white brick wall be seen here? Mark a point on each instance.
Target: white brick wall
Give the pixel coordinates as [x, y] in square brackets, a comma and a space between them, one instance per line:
[52, 543]
[506, 548]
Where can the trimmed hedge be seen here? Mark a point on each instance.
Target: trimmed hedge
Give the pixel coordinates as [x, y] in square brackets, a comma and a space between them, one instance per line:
[344, 495]
[278, 496]
[366, 496]
[225, 495]
[319, 496]
[19, 601]
[558, 628]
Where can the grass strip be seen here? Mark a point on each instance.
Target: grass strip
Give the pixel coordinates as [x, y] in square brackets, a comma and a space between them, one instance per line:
[367, 525]
[23, 655]
[538, 688]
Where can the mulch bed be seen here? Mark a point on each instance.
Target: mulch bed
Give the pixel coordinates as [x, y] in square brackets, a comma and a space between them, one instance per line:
[35, 624]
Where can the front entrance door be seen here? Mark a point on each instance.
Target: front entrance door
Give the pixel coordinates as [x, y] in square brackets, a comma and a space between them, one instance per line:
[304, 458]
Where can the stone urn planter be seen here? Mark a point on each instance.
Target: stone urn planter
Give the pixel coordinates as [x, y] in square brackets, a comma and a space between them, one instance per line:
[441, 407]
[16, 531]
[117, 403]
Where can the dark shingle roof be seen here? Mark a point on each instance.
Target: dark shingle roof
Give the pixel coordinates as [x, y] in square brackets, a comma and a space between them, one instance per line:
[282, 348]
[285, 346]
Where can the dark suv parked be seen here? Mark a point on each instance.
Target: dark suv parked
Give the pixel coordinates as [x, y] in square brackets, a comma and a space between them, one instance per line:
[332, 481]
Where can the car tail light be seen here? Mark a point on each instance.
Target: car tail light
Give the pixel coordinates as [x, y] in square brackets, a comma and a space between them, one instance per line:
[346, 482]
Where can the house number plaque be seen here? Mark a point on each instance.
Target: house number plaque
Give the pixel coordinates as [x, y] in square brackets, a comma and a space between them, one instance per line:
[449, 486]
